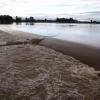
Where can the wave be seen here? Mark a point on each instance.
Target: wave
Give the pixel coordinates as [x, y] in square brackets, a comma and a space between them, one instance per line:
[32, 72]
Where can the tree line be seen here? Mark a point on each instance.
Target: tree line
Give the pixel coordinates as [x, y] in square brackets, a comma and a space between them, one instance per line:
[6, 19]
[66, 20]
[19, 19]
[31, 19]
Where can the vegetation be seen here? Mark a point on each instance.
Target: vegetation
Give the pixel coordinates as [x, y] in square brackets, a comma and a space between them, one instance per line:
[6, 19]
[66, 20]
[18, 19]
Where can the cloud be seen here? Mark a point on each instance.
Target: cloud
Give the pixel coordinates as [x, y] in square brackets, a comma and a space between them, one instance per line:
[53, 2]
[79, 9]
[93, 15]
[85, 16]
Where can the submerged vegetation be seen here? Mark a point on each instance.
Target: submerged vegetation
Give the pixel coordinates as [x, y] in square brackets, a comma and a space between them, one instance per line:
[6, 19]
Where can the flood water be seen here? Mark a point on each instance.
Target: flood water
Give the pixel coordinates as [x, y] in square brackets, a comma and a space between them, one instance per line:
[88, 34]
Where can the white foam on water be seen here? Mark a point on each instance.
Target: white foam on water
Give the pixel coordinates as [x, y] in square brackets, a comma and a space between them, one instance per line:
[30, 72]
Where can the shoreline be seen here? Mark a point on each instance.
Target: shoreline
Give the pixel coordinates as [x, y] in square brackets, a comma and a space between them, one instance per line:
[30, 71]
[86, 54]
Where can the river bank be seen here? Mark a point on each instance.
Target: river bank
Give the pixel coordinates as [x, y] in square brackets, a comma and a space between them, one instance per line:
[30, 71]
[87, 54]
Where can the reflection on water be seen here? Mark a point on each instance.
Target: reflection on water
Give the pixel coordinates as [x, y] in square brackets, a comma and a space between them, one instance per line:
[82, 33]
[27, 23]
[18, 23]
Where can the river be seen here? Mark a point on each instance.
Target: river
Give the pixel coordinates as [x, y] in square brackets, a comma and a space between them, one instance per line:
[88, 34]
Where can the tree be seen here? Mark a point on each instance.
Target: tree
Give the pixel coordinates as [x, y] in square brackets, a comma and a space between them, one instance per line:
[66, 20]
[31, 19]
[27, 19]
[18, 19]
[6, 19]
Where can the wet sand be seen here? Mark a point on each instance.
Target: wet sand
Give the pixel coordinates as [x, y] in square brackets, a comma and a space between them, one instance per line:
[34, 72]
[87, 54]
[21, 34]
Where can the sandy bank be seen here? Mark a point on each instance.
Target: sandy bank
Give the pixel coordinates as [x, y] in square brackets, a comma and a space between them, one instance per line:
[33, 72]
[86, 54]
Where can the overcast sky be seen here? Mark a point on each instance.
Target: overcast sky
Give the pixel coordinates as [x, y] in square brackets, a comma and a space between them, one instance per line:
[79, 9]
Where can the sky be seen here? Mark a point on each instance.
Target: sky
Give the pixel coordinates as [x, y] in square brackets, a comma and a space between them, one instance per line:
[77, 9]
